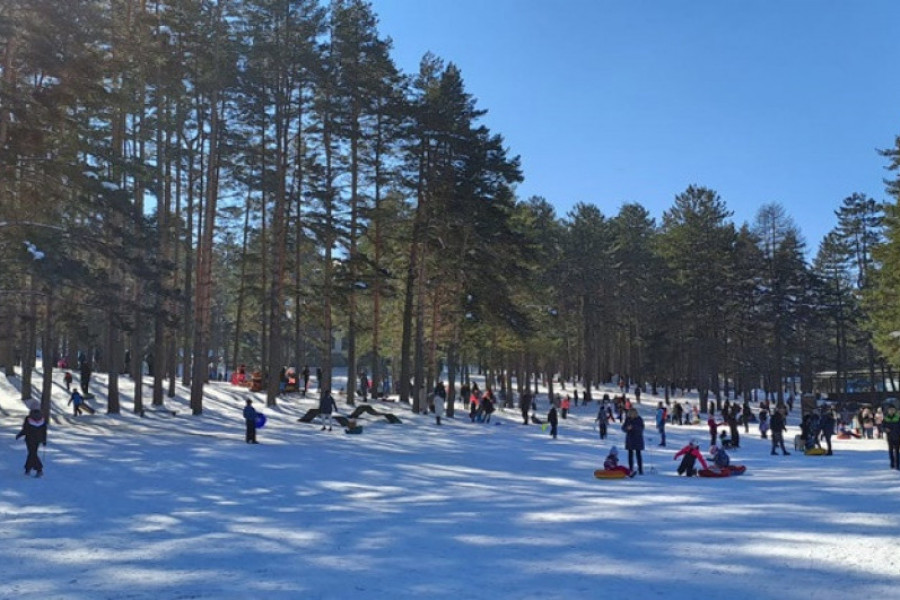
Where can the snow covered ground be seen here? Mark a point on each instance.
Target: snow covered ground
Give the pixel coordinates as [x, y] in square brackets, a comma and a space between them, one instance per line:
[180, 507]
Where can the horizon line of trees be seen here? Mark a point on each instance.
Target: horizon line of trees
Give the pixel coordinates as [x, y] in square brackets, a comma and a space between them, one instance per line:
[189, 181]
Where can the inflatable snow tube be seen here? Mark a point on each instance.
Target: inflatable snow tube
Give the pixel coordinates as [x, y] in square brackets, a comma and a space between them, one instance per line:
[604, 474]
[260, 420]
[731, 471]
[815, 452]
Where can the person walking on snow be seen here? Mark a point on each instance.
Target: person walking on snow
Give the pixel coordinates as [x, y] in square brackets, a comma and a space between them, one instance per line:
[250, 421]
[691, 454]
[34, 429]
[76, 401]
[634, 439]
[67, 379]
[326, 407]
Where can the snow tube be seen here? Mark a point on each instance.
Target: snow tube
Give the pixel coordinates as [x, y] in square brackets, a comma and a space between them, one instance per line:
[260, 420]
[604, 474]
[815, 452]
[731, 471]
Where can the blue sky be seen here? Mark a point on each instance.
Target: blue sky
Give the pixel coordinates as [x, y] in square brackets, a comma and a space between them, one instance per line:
[631, 101]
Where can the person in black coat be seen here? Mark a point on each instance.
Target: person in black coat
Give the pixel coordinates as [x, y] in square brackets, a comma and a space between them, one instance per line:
[525, 406]
[634, 439]
[326, 407]
[553, 420]
[778, 427]
[34, 429]
[250, 420]
[827, 425]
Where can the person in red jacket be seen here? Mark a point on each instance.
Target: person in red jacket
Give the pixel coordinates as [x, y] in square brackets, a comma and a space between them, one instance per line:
[691, 454]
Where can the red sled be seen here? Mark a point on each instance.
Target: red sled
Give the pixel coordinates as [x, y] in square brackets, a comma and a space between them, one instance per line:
[726, 472]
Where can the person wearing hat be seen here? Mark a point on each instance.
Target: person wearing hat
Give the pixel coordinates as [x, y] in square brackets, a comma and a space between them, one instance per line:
[34, 429]
[250, 420]
[892, 434]
[691, 454]
[612, 463]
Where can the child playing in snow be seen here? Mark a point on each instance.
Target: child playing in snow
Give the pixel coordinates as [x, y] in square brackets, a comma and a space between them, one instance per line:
[691, 454]
[612, 463]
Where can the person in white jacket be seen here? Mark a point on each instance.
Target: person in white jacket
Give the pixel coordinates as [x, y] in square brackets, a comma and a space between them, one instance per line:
[440, 395]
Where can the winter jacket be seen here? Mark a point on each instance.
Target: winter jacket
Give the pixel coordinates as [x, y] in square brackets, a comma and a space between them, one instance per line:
[326, 404]
[634, 433]
[695, 452]
[249, 413]
[660, 418]
[439, 405]
[777, 423]
[713, 425]
[552, 417]
[611, 462]
[34, 429]
[827, 423]
[721, 459]
[892, 426]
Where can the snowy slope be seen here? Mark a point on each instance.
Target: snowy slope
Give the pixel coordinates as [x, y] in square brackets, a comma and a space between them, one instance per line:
[180, 507]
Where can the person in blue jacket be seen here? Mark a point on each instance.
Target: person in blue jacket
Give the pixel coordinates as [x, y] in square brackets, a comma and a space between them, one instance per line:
[661, 423]
[250, 420]
[634, 439]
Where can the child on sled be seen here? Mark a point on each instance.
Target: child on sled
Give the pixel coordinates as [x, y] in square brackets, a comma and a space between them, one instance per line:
[612, 463]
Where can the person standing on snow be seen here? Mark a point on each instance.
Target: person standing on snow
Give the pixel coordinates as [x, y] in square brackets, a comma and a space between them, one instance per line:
[891, 426]
[634, 439]
[326, 407]
[34, 429]
[713, 426]
[525, 405]
[440, 396]
[778, 426]
[553, 420]
[661, 417]
[250, 421]
[826, 424]
[602, 421]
